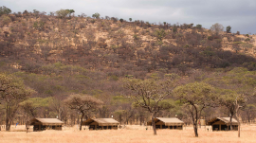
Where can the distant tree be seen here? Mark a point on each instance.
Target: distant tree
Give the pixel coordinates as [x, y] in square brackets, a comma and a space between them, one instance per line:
[130, 19]
[36, 13]
[199, 26]
[195, 97]
[62, 13]
[82, 104]
[31, 105]
[12, 93]
[228, 29]
[217, 28]
[51, 14]
[121, 20]
[70, 12]
[175, 28]
[228, 99]
[96, 15]
[238, 32]
[5, 10]
[151, 96]
[25, 12]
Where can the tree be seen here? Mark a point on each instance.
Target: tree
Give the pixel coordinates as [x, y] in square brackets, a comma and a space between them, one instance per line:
[62, 13]
[228, 29]
[196, 97]
[96, 15]
[56, 105]
[238, 106]
[32, 104]
[151, 96]
[217, 28]
[199, 26]
[228, 99]
[83, 104]
[4, 10]
[130, 19]
[71, 11]
[12, 93]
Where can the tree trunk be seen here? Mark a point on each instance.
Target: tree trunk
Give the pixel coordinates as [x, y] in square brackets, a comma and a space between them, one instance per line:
[231, 116]
[81, 121]
[195, 129]
[238, 123]
[7, 119]
[7, 123]
[153, 123]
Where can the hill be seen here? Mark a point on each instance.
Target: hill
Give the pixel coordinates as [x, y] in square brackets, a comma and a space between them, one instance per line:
[58, 56]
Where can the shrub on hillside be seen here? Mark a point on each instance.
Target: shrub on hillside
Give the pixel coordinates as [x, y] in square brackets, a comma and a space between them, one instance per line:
[228, 29]
[199, 26]
[62, 13]
[5, 20]
[5, 10]
[96, 15]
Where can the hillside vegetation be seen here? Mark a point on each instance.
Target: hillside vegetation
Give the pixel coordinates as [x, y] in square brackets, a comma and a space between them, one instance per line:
[60, 54]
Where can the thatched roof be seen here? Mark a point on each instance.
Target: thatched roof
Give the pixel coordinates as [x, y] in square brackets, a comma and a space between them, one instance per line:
[167, 121]
[45, 121]
[101, 121]
[226, 120]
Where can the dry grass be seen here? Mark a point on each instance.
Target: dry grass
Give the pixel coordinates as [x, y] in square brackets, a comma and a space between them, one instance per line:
[130, 135]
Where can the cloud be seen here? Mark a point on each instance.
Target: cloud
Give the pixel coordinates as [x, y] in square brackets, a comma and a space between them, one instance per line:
[239, 14]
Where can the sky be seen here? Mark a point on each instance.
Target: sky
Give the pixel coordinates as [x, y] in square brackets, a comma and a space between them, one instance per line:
[239, 14]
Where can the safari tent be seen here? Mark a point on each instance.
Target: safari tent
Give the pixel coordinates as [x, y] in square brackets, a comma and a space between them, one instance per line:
[222, 124]
[167, 123]
[40, 124]
[101, 123]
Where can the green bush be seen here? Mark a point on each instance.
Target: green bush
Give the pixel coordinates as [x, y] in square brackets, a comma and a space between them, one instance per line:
[160, 34]
[228, 29]
[199, 26]
[4, 10]
[96, 15]
[62, 13]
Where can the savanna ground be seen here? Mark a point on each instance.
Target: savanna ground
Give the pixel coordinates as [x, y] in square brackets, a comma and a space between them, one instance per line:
[130, 135]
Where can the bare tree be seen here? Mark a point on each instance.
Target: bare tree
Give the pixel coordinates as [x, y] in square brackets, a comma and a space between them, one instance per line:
[151, 96]
[217, 28]
[83, 104]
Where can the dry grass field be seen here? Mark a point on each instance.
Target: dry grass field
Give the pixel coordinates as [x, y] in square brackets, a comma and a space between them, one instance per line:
[130, 135]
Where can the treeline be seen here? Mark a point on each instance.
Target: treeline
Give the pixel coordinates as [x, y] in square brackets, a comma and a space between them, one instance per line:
[61, 55]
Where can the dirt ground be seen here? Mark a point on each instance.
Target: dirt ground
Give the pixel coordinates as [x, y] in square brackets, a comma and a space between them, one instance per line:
[130, 134]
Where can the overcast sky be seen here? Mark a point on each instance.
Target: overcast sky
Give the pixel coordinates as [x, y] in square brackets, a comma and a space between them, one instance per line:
[239, 14]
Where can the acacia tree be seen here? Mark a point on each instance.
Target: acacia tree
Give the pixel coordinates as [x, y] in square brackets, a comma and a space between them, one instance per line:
[228, 98]
[151, 96]
[238, 106]
[196, 97]
[31, 105]
[12, 93]
[82, 104]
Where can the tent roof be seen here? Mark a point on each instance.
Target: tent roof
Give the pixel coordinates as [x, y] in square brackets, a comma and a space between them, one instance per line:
[50, 120]
[101, 121]
[167, 121]
[47, 121]
[224, 119]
